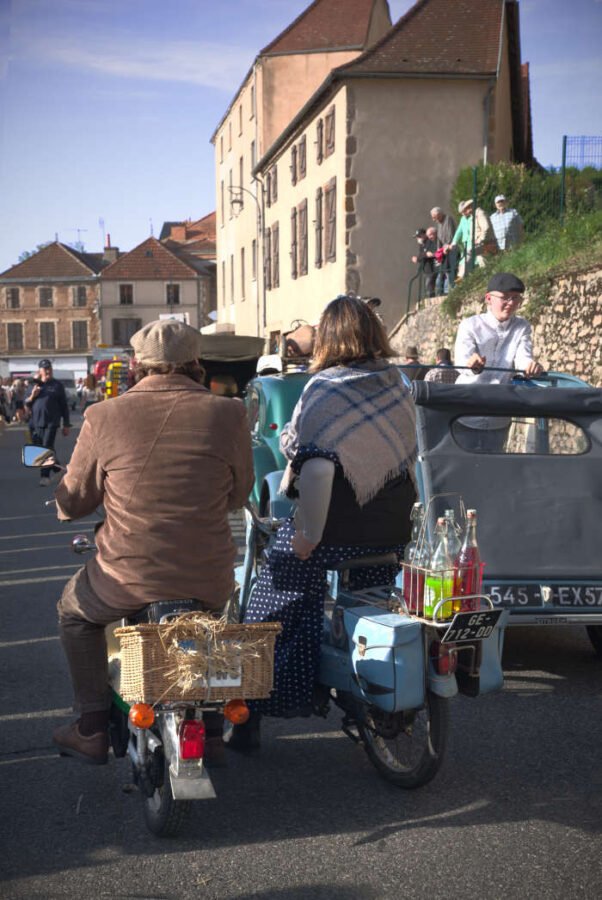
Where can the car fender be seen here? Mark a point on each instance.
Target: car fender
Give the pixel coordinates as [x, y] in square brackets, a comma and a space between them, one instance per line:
[279, 506]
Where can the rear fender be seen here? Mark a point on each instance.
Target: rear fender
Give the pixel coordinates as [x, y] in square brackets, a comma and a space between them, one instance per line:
[279, 506]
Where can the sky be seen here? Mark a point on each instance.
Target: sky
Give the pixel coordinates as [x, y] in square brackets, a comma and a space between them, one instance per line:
[107, 107]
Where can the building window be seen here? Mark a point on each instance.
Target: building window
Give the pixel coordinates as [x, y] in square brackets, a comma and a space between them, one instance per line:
[13, 298]
[253, 157]
[230, 185]
[231, 278]
[47, 336]
[221, 148]
[275, 256]
[229, 135]
[329, 123]
[320, 141]
[80, 297]
[318, 228]
[126, 294]
[221, 203]
[302, 229]
[268, 260]
[45, 297]
[294, 243]
[242, 273]
[241, 179]
[240, 119]
[294, 165]
[79, 335]
[302, 158]
[223, 284]
[274, 184]
[252, 101]
[254, 260]
[14, 335]
[123, 329]
[172, 294]
[330, 203]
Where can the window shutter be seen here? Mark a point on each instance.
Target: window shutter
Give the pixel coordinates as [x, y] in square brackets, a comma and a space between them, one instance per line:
[320, 141]
[318, 228]
[303, 238]
[302, 157]
[274, 184]
[330, 132]
[268, 260]
[275, 255]
[294, 243]
[294, 165]
[330, 194]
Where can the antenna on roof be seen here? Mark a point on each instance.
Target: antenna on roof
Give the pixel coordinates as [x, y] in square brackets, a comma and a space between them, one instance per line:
[79, 245]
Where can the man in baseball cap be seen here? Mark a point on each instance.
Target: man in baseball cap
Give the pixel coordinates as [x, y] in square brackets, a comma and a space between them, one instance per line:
[507, 225]
[48, 404]
[491, 346]
[168, 460]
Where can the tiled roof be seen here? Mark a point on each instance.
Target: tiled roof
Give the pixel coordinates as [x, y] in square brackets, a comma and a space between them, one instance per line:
[437, 37]
[200, 229]
[148, 261]
[56, 261]
[325, 25]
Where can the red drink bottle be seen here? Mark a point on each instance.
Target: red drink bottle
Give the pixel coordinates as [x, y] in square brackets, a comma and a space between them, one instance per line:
[468, 566]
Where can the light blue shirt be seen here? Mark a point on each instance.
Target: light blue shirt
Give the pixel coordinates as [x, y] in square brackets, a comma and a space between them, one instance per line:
[507, 227]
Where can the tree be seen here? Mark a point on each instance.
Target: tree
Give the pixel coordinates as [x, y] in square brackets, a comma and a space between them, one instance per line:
[27, 253]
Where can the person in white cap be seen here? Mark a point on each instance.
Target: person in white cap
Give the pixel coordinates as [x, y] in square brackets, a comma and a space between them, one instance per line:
[168, 460]
[507, 225]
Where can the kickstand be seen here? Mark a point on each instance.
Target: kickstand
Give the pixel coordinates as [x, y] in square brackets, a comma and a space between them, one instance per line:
[347, 724]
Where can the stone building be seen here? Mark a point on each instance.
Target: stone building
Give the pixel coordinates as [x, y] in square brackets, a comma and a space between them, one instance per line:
[49, 307]
[331, 180]
[196, 242]
[151, 281]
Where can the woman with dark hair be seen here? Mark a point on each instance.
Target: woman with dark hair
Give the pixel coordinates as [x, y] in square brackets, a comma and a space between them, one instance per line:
[351, 447]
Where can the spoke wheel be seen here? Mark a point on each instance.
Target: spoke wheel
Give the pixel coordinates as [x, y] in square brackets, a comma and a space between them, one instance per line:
[163, 815]
[407, 748]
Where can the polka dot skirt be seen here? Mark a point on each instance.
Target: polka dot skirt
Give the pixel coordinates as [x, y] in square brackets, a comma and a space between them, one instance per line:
[292, 591]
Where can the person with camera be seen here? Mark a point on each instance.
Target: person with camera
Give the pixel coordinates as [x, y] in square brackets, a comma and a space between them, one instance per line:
[48, 404]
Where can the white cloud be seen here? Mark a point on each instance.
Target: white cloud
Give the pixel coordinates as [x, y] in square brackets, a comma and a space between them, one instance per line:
[192, 62]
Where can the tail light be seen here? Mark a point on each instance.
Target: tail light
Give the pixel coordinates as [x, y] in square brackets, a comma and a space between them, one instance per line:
[192, 739]
[141, 715]
[444, 657]
[237, 712]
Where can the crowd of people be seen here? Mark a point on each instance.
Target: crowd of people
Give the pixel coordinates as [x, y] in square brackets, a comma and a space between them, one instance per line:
[12, 400]
[445, 250]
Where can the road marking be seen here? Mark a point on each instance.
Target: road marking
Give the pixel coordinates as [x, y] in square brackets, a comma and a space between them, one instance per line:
[4, 644]
[38, 569]
[38, 714]
[34, 580]
[14, 537]
[36, 516]
[29, 550]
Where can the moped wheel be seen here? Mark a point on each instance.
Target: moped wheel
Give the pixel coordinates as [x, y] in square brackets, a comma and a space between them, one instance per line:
[594, 633]
[407, 748]
[163, 815]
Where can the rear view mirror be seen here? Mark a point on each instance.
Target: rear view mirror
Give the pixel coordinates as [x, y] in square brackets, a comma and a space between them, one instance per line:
[37, 457]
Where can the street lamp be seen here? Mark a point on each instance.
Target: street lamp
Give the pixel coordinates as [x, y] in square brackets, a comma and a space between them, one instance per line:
[237, 202]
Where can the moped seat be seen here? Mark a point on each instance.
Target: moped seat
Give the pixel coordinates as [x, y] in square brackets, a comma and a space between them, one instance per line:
[362, 562]
[157, 611]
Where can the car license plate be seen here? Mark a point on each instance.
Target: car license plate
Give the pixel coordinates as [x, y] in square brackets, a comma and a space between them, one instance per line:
[544, 595]
[471, 626]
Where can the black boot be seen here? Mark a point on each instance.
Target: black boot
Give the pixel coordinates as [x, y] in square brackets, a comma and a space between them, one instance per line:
[246, 738]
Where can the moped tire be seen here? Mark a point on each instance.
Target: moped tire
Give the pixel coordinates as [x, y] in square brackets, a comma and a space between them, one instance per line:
[163, 815]
[407, 748]
[594, 633]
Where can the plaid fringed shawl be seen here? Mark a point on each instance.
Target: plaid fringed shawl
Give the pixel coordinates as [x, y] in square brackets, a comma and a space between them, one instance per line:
[363, 416]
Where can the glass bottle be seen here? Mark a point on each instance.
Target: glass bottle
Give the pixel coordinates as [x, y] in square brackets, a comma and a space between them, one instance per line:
[439, 581]
[454, 545]
[468, 571]
[413, 580]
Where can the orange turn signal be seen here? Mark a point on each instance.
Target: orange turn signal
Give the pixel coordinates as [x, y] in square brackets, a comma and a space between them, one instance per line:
[237, 712]
[142, 715]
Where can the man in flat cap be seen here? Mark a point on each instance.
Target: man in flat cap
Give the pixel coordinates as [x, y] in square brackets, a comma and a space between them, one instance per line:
[168, 460]
[48, 404]
[500, 339]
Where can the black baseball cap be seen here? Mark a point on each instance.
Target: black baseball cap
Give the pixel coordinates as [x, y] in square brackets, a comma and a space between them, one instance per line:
[419, 232]
[44, 364]
[504, 282]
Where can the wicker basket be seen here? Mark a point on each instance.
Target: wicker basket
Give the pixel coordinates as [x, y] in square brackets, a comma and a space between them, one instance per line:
[196, 659]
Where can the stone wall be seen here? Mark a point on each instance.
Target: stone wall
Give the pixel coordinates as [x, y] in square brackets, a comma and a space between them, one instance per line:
[567, 326]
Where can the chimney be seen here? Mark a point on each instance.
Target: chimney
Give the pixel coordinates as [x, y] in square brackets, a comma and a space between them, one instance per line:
[178, 232]
[110, 254]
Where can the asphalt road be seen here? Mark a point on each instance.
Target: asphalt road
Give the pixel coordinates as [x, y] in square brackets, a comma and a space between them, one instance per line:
[516, 810]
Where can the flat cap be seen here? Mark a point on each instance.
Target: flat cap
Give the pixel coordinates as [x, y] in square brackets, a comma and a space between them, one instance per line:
[504, 282]
[166, 341]
[44, 364]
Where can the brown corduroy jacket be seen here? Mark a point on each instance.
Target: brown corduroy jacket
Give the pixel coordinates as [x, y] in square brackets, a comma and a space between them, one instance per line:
[168, 460]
